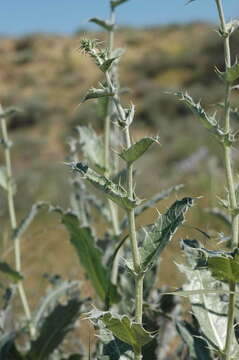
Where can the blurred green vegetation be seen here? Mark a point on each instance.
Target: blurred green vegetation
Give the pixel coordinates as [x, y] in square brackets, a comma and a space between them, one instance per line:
[47, 77]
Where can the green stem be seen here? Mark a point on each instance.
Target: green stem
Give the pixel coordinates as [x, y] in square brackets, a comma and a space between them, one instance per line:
[230, 321]
[139, 276]
[230, 181]
[13, 220]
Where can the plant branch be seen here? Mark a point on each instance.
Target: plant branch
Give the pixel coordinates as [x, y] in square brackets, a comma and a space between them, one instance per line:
[13, 220]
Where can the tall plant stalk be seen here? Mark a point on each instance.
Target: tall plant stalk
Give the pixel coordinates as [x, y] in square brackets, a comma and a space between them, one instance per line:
[13, 219]
[229, 175]
[107, 136]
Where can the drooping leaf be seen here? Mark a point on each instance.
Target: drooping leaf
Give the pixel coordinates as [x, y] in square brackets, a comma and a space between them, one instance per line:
[124, 329]
[191, 335]
[54, 329]
[114, 192]
[231, 74]
[158, 235]
[151, 202]
[105, 24]
[92, 146]
[90, 257]
[115, 3]
[3, 177]
[14, 275]
[210, 122]
[138, 149]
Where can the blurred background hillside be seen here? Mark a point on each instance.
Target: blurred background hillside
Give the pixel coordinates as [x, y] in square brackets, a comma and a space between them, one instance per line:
[47, 76]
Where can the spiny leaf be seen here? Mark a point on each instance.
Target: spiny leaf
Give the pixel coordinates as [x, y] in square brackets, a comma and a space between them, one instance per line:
[9, 271]
[107, 64]
[231, 74]
[113, 191]
[124, 329]
[151, 202]
[138, 149]
[115, 3]
[113, 347]
[208, 121]
[54, 329]
[90, 257]
[162, 231]
[94, 93]
[92, 146]
[223, 265]
[107, 25]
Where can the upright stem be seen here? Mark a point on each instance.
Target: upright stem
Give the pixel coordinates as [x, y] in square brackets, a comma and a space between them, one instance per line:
[230, 180]
[139, 276]
[107, 132]
[13, 220]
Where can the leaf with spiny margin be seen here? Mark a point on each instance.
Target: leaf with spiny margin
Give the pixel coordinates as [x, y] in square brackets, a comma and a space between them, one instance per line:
[224, 266]
[231, 74]
[92, 146]
[208, 121]
[197, 345]
[107, 25]
[107, 64]
[94, 93]
[90, 257]
[115, 3]
[14, 275]
[3, 177]
[113, 191]
[159, 235]
[54, 329]
[124, 329]
[138, 149]
[151, 202]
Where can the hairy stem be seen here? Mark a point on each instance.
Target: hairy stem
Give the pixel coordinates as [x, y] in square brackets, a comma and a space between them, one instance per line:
[13, 220]
[139, 277]
[230, 180]
[107, 133]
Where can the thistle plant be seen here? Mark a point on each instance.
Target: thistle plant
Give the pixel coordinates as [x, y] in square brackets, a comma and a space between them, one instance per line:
[117, 185]
[219, 268]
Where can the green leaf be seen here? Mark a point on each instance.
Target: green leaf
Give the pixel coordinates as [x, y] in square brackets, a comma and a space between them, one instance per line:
[92, 146]
[8, 270]
[90, 257]
[158, 235]
[113, 347]
[115, 3]
[124, 329]
[103, 23]
[138, 149]
[151, 202]
[107, 64]
[111, 190]
[231, 74]
[54, 329]
[208, 121]
[3, 177]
